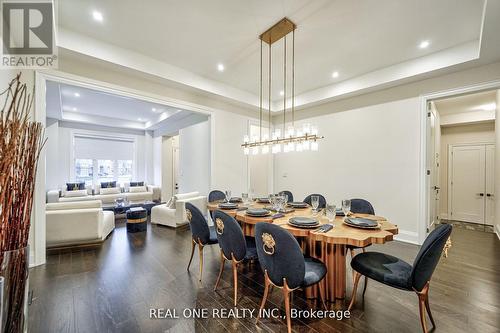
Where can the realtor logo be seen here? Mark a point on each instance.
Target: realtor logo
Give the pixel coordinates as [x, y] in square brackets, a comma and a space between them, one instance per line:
[28, 34]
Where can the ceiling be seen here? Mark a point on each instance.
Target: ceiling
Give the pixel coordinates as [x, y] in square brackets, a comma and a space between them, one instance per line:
[354, 38]
[483, 101]
[82, 105]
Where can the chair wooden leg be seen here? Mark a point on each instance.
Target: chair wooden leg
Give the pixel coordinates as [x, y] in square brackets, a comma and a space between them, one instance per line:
[235, 278]
[357, 276]
[200, 250]
[286, 295]
[364, 288]
[192, 252]
[264, 297]
[363, 249]
[222, 262]
[352, 253]
[423, 306]
[322, 294]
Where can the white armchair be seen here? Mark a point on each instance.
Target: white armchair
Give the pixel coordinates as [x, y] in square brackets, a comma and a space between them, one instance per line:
[176, 216]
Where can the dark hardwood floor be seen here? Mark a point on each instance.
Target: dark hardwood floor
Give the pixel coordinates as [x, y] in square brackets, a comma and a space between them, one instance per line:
[112, 288]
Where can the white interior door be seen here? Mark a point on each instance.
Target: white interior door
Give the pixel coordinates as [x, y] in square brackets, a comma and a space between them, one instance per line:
[433, 167]
[490, 185]
[467, 185]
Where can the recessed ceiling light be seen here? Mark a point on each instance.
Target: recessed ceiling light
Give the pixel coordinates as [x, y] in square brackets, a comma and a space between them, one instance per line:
[282, 93]
[139, 119]
[424, 44]
[220, 67]
[77, 94]
[97, 16]
[74, 109]
[335, 74]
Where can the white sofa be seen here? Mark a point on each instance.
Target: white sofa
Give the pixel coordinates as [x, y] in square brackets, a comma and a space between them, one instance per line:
[74, 223]
[150, 193]
[175, 217]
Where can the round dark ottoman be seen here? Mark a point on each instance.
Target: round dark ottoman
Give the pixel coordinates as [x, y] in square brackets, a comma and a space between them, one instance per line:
[137, 219]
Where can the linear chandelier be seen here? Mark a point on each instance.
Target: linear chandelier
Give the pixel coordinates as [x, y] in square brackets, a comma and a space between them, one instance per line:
[290, 138]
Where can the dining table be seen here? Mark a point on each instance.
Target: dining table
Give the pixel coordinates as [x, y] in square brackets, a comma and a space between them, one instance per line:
[329, 247]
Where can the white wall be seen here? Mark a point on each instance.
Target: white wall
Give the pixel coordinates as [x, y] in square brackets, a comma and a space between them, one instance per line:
[474, 133]
[497, 166]
[371, 153]
[194, 158]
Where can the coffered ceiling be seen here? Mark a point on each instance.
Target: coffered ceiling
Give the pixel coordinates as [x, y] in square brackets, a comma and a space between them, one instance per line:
[368, 43]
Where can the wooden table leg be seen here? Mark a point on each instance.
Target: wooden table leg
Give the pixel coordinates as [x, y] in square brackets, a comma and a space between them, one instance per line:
[339, 271]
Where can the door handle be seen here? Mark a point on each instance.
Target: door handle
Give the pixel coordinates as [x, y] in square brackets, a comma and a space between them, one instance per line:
[489, 195]
[480, 194]
[437, 187]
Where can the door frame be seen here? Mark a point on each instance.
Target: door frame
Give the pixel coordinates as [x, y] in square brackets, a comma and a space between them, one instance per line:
[450, 167]
[38, 250]
[424, 179]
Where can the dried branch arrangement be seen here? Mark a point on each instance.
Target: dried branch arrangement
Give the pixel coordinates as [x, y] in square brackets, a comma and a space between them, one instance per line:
[21, 141]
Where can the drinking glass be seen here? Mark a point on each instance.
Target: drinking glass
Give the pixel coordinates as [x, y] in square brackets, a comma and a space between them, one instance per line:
[315, 202]
[272, 201]
[346, 206]
[228, 195]
[244, 198]
[281, 203]
[331, 211]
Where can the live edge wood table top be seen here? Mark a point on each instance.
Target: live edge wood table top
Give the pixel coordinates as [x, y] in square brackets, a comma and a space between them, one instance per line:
[329, 247]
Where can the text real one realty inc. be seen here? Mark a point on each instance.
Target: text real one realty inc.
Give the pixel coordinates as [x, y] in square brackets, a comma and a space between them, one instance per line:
[223, 313]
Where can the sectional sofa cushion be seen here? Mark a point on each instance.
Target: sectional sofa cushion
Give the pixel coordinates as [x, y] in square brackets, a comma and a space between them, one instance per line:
[110, 190]
[77, 193]
[135, 189]
[135, 184]
[75, 186]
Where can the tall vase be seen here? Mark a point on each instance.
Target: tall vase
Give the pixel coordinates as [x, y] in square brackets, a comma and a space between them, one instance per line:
[14, 270]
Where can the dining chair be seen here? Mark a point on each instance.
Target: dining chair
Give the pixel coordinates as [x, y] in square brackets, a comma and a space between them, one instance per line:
[202, 233]
[289, 195]
[397, 273]
[215, 195]
[284, 265]
[322, 200]
[233, 246]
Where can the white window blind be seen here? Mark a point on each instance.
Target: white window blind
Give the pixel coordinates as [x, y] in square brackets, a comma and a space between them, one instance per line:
[103, 148]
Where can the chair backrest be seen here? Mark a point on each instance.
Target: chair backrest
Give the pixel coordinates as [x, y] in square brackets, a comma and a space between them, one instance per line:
[428, 256]
[361, 206]
[322, 200]
[279, 254]
[230, 236]
[289, 194]
[197, 223]
[216, 195]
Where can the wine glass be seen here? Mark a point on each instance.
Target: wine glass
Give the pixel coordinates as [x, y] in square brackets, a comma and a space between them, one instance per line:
[228, 195]
[244, 198]
[331, 211]
[315, 202]
[346, 206]
[282, 202]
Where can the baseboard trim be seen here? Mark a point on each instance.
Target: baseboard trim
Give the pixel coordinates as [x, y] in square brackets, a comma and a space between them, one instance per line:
[407, 237]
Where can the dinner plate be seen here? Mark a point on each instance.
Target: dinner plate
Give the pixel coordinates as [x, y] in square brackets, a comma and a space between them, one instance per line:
[263, 200]
[359, 222]
[298, 204]
[304, 226]
[257, 212]
[302, 220]
[235, 200]
[228, 205]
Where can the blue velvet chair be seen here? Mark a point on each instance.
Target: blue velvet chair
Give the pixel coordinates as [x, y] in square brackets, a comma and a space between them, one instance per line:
[233, 246]
[360, 206]
[397, 273]
[322, 200]
[289, 194]
[284, 265]
[202, 233]
[215, 195]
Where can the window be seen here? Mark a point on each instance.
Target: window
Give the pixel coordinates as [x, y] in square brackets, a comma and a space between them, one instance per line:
[103, 159]
[124, 171]
[105, 170]
[84, 171]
